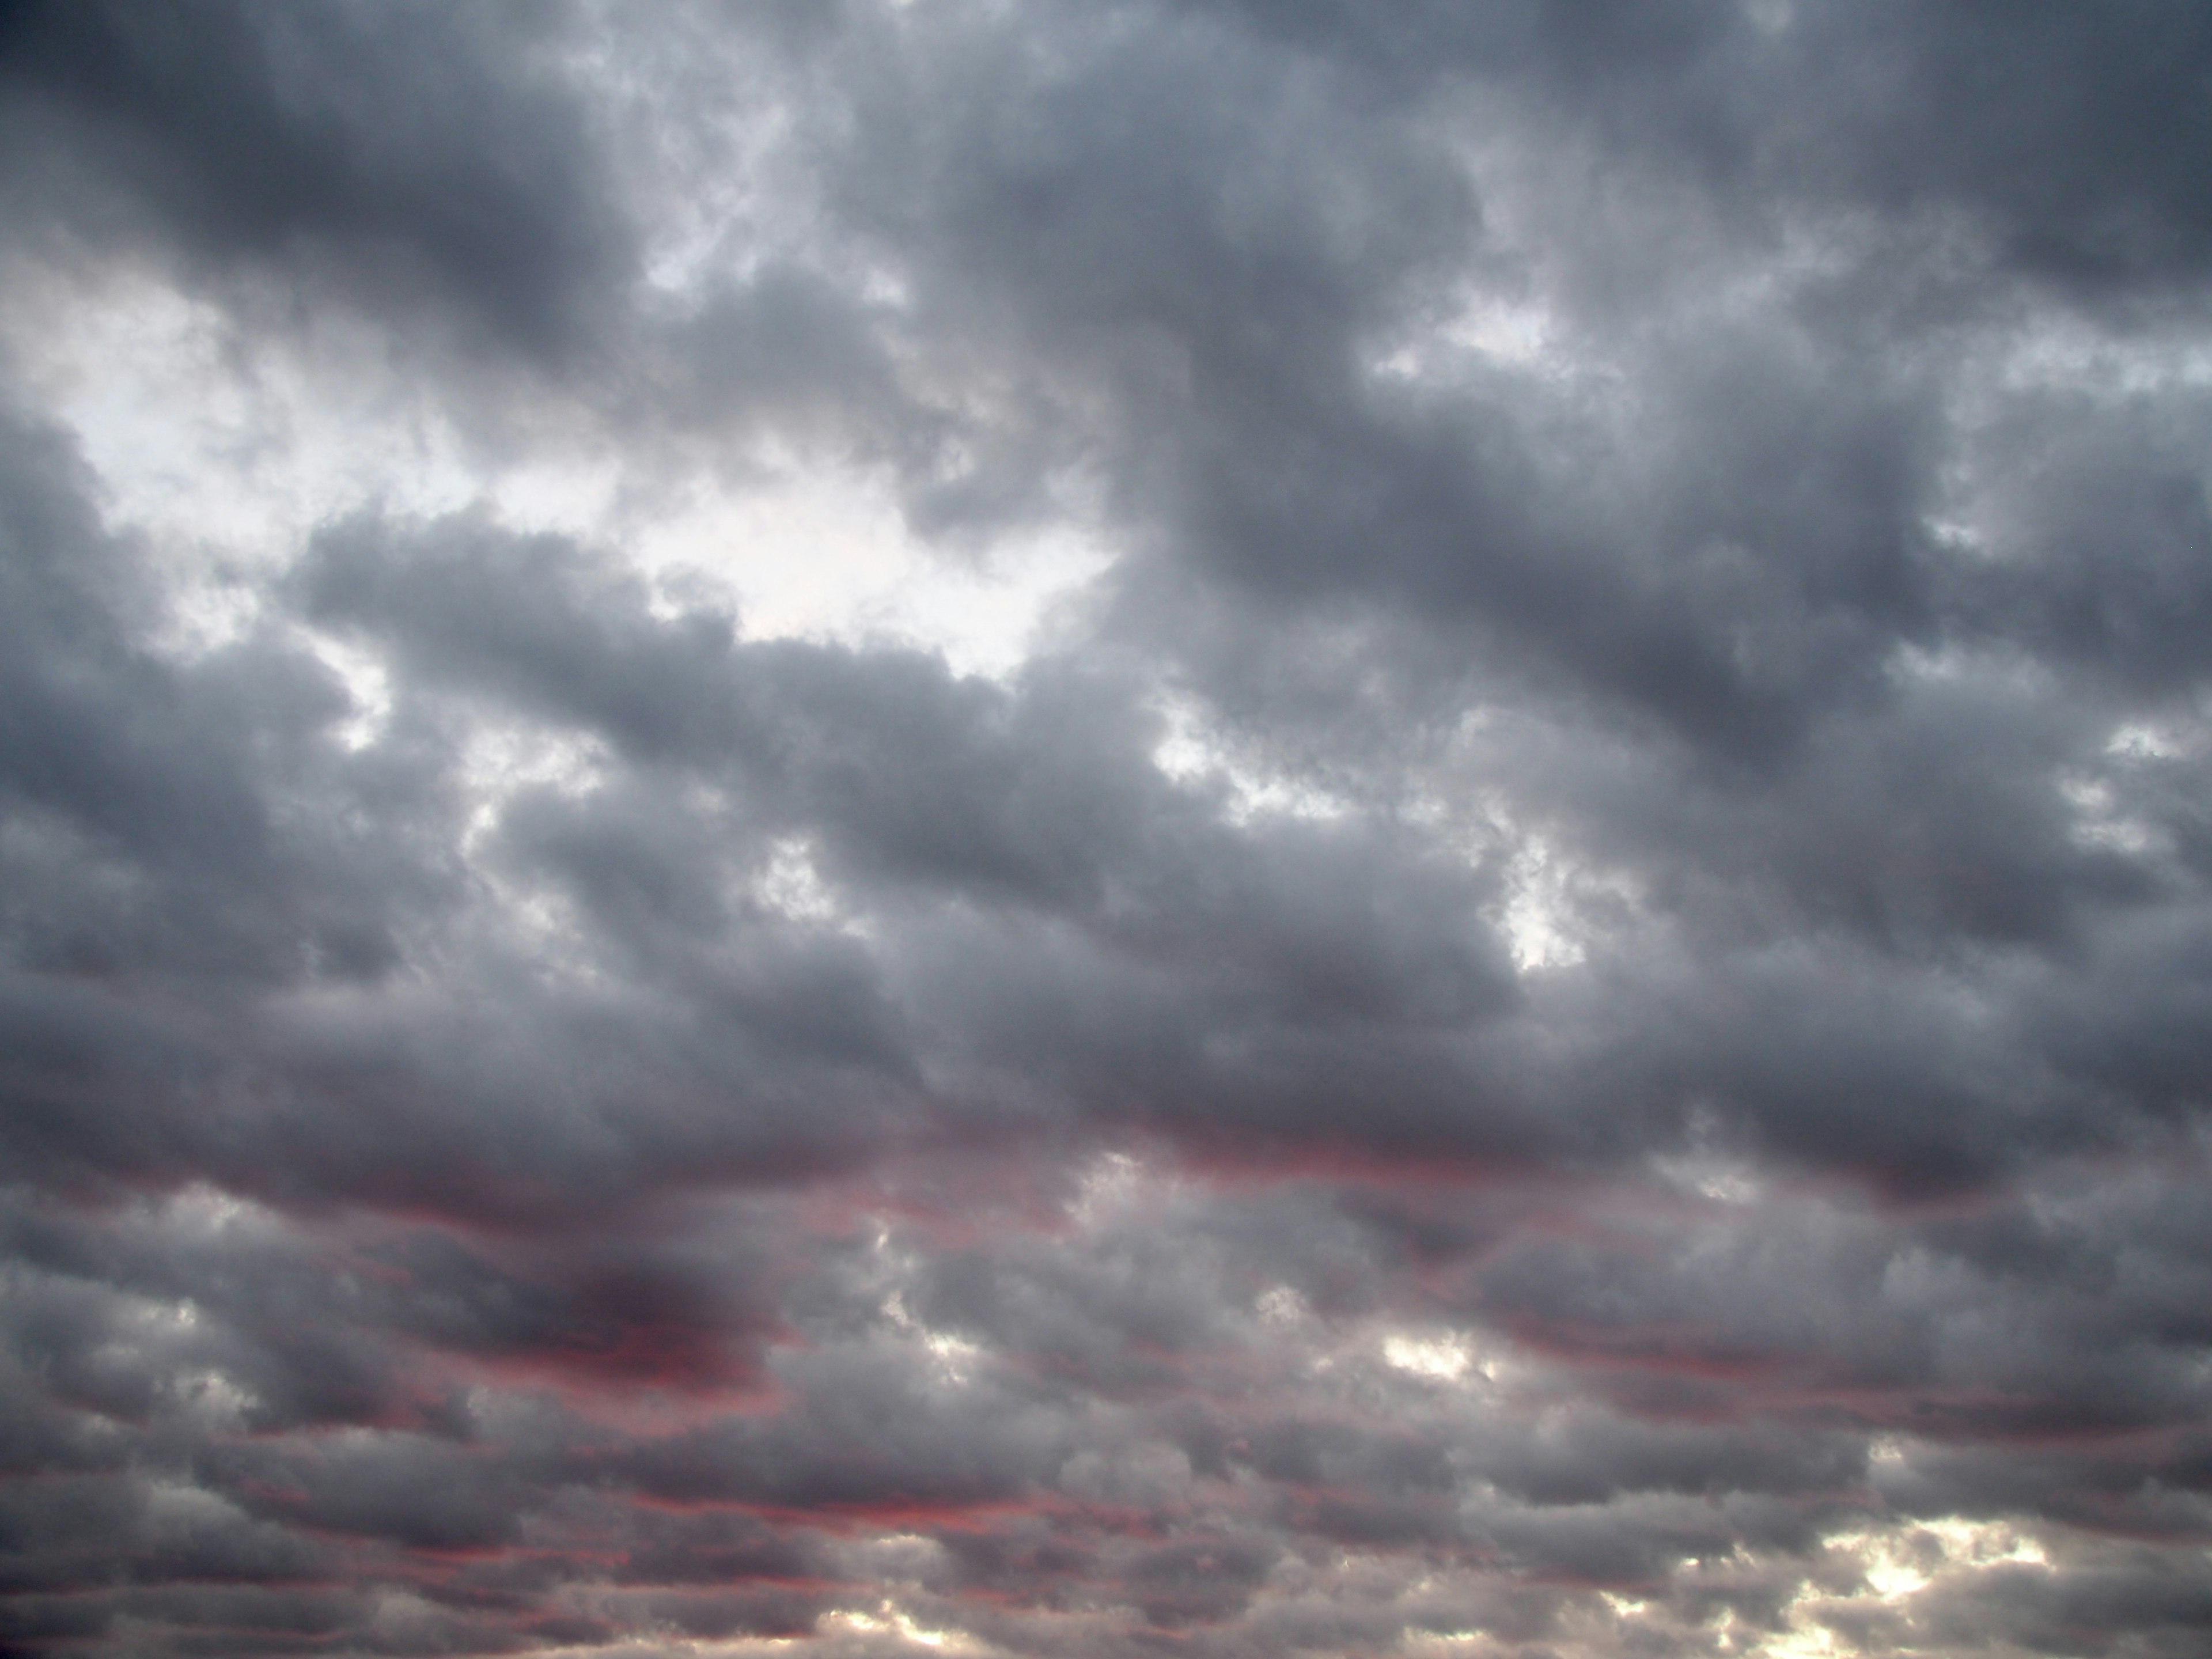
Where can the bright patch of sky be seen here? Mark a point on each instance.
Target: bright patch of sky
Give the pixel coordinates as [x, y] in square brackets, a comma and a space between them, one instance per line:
[226, 455]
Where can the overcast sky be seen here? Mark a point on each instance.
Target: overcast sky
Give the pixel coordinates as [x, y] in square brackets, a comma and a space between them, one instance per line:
[1106, 829]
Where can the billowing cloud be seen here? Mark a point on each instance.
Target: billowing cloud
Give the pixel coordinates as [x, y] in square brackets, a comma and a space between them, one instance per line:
[1049, 829]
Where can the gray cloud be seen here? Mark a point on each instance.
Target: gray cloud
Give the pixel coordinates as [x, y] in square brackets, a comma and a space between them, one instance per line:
[384, 157]
[1555, 1006]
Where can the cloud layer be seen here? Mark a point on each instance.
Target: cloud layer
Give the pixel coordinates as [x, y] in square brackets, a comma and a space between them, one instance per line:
[1090, 830]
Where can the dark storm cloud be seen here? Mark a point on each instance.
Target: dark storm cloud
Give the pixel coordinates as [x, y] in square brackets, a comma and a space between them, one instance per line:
[381, 153]
[2109, 539]
[1754, 549]
[1583, 969]
[2063, 138]
[2020, 1320]
[115, 761]
[1019, 838]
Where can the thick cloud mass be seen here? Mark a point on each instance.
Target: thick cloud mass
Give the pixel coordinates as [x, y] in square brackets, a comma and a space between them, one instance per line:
[1151, 826]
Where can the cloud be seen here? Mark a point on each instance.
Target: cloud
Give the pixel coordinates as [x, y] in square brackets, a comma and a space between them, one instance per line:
[385, 159]
[1047, 830]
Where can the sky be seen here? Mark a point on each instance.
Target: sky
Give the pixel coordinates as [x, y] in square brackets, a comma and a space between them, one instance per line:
[1106, 829]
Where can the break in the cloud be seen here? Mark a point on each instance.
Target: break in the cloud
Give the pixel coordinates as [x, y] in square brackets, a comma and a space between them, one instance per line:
[1092, 828]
